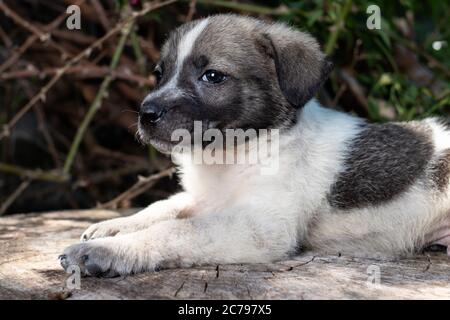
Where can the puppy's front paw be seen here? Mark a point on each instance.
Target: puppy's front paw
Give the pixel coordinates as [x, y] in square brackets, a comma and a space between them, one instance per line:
[108, 228]
[96, 258]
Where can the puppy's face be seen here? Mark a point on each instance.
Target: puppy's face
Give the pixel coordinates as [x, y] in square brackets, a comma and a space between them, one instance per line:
[230, 72]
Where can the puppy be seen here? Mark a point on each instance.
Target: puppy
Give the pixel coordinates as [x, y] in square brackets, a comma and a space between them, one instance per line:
[343, 185]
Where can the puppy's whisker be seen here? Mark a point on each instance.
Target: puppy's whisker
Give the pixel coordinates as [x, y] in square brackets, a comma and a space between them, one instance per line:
[133, 125]
[129, 110]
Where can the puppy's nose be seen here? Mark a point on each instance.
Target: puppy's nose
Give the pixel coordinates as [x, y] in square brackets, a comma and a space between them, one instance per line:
[150, 113]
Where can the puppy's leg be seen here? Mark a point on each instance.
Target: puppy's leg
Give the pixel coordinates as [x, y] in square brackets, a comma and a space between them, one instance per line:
[182, 243]
[180, 203]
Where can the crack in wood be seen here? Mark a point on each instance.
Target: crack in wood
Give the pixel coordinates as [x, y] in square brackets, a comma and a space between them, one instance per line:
[300, 264]
[179, 289]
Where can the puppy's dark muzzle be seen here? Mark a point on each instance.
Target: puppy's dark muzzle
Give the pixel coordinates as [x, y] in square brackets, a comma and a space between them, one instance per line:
[151, 113]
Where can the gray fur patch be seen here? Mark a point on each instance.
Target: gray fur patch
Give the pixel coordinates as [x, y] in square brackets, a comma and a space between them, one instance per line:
[440, 171]
[383, 162]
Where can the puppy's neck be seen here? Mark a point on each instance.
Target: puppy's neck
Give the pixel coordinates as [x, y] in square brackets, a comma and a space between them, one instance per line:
[308, 121]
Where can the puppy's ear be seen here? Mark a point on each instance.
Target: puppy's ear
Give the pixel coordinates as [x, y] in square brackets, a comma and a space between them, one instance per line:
[300, 64]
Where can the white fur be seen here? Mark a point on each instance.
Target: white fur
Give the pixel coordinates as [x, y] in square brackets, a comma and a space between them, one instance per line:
[441, 136]
[233, 214]
[187, 42]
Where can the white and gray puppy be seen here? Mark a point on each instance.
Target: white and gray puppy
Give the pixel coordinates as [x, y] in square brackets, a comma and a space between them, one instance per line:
[343, 185]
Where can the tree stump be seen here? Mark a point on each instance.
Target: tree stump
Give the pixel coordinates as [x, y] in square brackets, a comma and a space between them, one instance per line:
[29, 269]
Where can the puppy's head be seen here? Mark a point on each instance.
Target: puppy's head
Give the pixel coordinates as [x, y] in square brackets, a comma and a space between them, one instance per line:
[230, 72]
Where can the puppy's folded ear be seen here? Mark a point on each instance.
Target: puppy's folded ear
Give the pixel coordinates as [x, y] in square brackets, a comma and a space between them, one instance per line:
[300, 64]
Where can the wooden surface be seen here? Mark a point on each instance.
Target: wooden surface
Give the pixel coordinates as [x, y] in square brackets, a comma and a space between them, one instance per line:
[29, 268]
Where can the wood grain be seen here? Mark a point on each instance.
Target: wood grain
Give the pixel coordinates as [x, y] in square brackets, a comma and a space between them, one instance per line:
[29, 269]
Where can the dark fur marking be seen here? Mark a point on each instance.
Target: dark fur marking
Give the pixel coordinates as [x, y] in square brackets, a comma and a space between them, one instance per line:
[384, 161]
[440, 171]
[300, 71]
[201, 61]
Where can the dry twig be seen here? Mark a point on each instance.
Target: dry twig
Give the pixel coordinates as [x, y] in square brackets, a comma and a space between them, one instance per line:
[142, 185]
[52, 176]
[10, 200]
[96, 104]
[41, 95]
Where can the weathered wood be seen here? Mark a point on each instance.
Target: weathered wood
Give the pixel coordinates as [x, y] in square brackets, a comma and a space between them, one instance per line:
[29, 268]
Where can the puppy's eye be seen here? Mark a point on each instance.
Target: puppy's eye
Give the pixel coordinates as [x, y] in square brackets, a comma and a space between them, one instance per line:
[213, 76]
[158, 74]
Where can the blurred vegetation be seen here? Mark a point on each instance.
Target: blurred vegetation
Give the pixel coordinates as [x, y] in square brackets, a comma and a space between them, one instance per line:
[68, 98]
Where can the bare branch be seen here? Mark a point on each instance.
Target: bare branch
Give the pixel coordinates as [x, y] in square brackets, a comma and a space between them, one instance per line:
[142, 185]
[85, 53]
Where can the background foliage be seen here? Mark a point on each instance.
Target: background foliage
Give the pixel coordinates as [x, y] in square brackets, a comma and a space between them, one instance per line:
[68, 98]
